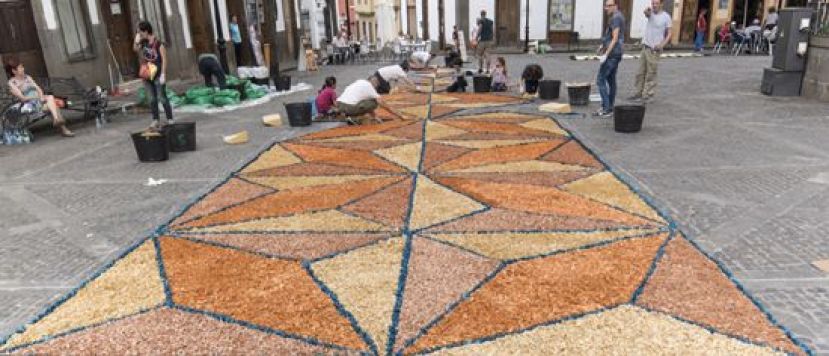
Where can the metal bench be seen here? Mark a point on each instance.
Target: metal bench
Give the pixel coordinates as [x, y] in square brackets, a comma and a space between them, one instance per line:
[14, 123]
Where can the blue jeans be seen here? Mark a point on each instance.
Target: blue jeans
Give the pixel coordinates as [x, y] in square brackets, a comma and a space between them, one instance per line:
[607, 81]
[699, 41]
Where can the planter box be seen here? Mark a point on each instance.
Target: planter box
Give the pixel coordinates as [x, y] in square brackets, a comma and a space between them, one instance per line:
[816, 76]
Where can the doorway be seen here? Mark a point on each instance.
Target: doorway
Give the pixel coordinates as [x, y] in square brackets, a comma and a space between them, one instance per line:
[116, 16]
[21, 40]
[198, 13]
[237, 8]
[747, 10]
[507, 23]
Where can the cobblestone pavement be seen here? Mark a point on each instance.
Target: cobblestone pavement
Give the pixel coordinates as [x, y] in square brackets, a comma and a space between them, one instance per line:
[745, 175]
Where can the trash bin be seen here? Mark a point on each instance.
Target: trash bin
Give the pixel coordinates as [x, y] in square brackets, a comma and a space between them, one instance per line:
[579, 94]
[482, 83]
[181, 136]
[549, 89]
[628, 118]
[299, 114]
[151, 146]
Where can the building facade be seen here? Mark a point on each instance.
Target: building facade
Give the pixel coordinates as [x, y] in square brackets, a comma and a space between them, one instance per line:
[91, 40]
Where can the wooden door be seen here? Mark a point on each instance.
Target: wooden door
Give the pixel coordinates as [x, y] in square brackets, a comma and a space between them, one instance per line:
[292, 39]
[626, 7]
[20, 36]
[687, 29]
[507, 22]
[198, 15]
[120, 34]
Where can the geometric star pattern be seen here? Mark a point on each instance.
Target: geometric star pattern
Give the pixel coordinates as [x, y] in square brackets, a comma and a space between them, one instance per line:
[493, 233]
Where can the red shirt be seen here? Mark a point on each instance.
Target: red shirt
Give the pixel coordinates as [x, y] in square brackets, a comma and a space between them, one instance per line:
[325, 100]
[702, 24]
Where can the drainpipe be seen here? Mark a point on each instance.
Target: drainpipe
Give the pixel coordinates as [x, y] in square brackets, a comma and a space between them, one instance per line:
[527, 29]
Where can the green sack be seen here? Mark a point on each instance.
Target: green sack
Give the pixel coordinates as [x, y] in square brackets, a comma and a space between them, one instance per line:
[228, 93]
[142, 97]
[232, 81]
[198, 91]
[201, 100]
[252, 93]
[224, 101]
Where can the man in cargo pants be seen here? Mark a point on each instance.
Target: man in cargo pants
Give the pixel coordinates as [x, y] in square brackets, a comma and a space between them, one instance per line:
[657, 35]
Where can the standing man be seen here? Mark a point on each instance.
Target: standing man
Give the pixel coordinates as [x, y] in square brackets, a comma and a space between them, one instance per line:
[236, 38]
[610, 54]
[657, 35]
[702, 26]
[485, 40]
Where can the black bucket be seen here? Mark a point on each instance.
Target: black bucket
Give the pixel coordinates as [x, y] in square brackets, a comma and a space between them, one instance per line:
[628, 118]
[151, 147]
[284, 83]
[299, 114]
[482, 83]
[530, 86]
[579, 94]
[181, 136]
[261, 81]
[549, 89]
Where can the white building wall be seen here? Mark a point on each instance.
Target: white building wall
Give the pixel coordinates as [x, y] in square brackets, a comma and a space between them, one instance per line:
[433, 20]
[449, 8]
[638, 21]
[538, 19]
[587, 20]
[419, 15]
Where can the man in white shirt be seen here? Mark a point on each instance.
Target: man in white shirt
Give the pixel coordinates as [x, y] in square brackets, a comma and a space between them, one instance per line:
[420, 59]
[657, 36]
[360, 99]
[393, 73]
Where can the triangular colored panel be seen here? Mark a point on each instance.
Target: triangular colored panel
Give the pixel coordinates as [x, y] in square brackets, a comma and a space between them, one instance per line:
[606, 188]
[546, 179]
[437, 153]
[546, 125]
[536, 199]
[367, 137]
[288, 183]
[442, 110]
[508, 220]
[244, 286]
[412, 132]
[437, 277]
[341, 157]
[365, 283]
[233, 192]
[131, 285]
[513, 245]
[272, 158]
[326, 220]
[689, 285]
[355, 145]
[502, 117]
[624, 330]
[437, 131]
[573, 153]
[354, 130]
[496, 127]
[487, 156]
[434, 203]
[169, 332]
[405, 155]
[295, 201]
[533, 292]
[522, 167]
[313, 169]
[300, 246]
[388, 206]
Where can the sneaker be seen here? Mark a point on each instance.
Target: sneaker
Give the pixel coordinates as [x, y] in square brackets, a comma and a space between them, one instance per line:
[603, 114]
[154, 126]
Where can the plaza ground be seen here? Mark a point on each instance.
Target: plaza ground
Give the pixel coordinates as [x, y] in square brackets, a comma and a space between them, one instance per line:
[744, 175]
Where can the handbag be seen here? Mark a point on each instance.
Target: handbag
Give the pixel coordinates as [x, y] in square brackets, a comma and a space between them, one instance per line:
[147, 71]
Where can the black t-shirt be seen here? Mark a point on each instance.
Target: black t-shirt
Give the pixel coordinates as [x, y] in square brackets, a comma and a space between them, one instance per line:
[486, 29]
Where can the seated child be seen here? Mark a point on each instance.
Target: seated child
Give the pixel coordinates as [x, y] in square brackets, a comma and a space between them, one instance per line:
[499, 75]
[459, 86]
[327, 97]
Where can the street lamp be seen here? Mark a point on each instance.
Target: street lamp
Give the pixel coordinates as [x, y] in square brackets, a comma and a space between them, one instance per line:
[220, 40]
[527, 29]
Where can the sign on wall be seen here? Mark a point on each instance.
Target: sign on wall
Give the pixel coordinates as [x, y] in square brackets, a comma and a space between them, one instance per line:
[561, 15]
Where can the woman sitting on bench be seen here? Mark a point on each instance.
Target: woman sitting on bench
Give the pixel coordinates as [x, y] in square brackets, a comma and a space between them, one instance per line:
[24, 88]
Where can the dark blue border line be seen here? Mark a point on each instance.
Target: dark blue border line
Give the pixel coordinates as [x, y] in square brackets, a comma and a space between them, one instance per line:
[341, 309]
[48, 338]
[230, 320]
[408, 236]
[162, 272]
[542, 231]
[652, 268]
[277, 233]
[226, 207]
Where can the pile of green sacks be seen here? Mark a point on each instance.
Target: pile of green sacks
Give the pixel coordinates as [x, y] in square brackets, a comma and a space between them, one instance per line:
[202, 95]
